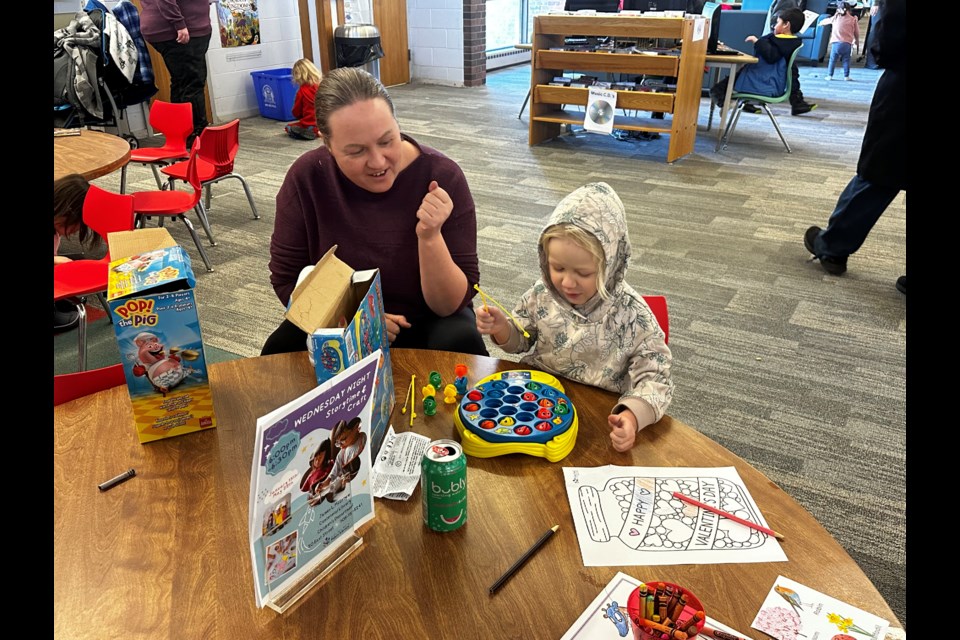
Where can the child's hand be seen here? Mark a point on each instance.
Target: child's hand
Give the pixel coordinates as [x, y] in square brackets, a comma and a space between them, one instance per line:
[394, 324]
[750, 39]
[492, 322]
[623, 430]
[433, 212]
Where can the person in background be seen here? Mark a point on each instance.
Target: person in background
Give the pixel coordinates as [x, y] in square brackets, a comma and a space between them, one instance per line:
[768, 77]
[584, 321]
[881, 171]
[180, 32]
[69, 192]
[798, 105]
[844, 36]
[307, 76]
[387, 202]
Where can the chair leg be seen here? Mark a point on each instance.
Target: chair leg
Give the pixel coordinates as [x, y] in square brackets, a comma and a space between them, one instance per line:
[524, 105]
[732, 125]
[205, 221]
[246, 189]
[776, 126]
[82, 335]
[156, 175]
[206, 196]
[123, 179]
[196, 240]
[101, 296]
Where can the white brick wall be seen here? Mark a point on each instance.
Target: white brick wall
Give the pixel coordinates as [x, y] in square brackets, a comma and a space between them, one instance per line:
[435, 35]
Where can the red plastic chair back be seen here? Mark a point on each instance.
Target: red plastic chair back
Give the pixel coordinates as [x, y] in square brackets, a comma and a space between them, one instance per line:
[658, 305]
[70, 386]
[105, 212]
[220, 146]
[175, 121]
[193, 172]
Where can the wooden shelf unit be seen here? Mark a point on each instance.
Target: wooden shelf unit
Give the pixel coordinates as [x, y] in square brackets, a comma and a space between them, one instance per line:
[547, 102]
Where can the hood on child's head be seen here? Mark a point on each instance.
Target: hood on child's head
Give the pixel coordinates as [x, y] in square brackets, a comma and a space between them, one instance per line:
[597, 209]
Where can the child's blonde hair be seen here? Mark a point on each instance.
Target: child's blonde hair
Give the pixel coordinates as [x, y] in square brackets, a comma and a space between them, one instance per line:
[586, 241]
[305, 72]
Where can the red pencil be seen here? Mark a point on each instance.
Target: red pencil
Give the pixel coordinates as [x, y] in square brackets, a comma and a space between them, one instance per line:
[746, 523]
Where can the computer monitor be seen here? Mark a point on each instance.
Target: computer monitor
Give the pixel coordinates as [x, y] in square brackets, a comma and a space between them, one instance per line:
[654, 5]
[712, 11]
[600, 6]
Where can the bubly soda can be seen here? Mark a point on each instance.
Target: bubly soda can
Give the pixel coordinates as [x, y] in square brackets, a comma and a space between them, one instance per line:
[443, 486]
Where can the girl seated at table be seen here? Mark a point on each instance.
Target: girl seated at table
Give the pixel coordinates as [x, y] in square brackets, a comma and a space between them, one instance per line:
[69, 192]
[581, 318]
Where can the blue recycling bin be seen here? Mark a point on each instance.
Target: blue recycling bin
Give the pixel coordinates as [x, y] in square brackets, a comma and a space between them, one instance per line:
[276, 93]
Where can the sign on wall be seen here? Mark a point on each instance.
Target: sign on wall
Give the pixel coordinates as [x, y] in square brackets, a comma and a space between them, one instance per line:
[239, 22]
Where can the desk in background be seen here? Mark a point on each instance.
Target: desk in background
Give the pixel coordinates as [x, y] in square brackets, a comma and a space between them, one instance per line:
[92, 154]
[167, 555]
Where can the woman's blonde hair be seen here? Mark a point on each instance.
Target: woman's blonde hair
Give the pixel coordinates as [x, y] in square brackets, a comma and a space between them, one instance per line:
[586, 241]
[305, 72]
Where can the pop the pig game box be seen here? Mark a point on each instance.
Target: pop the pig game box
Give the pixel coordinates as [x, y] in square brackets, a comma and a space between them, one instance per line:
[154, 312]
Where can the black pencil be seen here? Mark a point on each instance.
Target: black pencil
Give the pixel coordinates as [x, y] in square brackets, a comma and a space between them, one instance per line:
[526, 556]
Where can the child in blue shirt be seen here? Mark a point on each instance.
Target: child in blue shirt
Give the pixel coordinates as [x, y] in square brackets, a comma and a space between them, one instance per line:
[768, 77]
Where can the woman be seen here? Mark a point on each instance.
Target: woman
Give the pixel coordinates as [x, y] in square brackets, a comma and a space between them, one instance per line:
[388, 203]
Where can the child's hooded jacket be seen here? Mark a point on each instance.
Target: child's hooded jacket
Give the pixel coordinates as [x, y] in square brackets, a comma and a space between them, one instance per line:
[615, 344]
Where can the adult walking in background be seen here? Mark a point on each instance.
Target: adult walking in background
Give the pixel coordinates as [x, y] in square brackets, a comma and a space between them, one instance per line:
[881, 173]
[180, 32]
[387, 202]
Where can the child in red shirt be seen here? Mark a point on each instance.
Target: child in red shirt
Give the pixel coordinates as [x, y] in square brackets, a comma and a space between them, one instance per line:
[305, 74]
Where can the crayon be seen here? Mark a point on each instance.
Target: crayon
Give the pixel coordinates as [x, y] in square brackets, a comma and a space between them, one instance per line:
[710, 632]
[112, 482]
[656, 626]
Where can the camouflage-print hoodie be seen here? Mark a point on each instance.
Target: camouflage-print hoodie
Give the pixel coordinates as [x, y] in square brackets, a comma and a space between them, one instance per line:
[615, 344]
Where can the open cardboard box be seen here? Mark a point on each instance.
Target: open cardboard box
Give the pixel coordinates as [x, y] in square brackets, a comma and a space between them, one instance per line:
[342, 310]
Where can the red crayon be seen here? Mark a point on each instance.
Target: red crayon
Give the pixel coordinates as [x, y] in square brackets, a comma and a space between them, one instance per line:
[710, 632]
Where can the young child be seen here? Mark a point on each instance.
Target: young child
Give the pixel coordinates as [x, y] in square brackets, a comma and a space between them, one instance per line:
[844, 36]
[305, 74]
[69, 192]
[585, 322]
[768, 77]
[321, 463]
[350, 440]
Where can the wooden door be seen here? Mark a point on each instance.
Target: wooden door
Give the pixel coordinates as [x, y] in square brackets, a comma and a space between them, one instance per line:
[390, 17]
[162, 76]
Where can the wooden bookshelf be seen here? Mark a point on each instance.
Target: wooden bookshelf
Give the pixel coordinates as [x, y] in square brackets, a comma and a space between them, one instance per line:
[548, 102]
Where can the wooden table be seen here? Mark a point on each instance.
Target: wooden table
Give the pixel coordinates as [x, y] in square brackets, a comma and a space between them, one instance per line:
[717, 63]
[92, 154]
[166, 554]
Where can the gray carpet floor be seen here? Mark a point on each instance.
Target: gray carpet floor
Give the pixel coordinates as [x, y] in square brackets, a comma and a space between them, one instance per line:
[800, 373]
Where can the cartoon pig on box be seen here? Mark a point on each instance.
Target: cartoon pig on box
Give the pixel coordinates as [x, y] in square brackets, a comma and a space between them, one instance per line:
[162, 369]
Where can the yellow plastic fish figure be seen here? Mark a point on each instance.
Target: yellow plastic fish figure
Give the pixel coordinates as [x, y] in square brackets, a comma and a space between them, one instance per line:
[450, 394]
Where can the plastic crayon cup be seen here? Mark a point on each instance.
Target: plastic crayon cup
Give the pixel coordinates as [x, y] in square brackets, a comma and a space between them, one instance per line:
[688, 628]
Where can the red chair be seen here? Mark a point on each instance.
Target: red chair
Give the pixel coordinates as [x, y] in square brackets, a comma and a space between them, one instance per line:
[171, 203]
[219, 146]
[104, 212]
[175, 121]
[70, 386]
[658, 305]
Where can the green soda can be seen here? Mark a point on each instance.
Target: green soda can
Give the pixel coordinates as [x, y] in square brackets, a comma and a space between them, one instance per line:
[443, 486]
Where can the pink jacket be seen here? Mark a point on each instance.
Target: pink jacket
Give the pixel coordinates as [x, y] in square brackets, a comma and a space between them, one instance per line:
[846, 28]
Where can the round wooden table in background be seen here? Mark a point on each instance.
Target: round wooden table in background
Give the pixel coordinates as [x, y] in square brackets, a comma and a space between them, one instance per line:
[92, 154]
